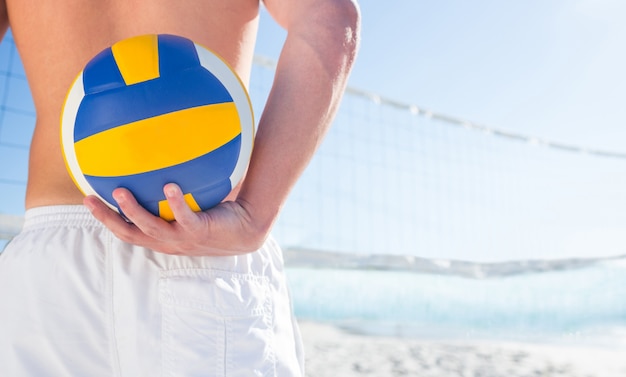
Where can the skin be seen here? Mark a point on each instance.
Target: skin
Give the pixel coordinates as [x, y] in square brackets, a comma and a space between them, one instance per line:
[56, 38]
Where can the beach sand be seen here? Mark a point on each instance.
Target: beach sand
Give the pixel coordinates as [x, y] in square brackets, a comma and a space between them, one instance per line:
[332, 352]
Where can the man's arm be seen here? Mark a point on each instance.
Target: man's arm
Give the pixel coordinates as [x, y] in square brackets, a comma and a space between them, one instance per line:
[4, 19]
[311, 75]
[310, 79]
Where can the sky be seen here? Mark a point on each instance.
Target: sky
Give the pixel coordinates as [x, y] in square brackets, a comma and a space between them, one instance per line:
[552, 69]
[549, 68]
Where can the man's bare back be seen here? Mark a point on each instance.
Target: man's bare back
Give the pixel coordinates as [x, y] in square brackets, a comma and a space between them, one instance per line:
[56, 39]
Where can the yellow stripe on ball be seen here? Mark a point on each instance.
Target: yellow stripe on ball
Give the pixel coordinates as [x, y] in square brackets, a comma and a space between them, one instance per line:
[137, 58]
[158, 142]
[165, 212]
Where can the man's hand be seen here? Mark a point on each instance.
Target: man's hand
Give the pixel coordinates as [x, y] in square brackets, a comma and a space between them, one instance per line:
[224, 230]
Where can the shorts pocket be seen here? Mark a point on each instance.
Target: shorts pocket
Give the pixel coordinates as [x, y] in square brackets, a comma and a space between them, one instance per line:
[216, 323]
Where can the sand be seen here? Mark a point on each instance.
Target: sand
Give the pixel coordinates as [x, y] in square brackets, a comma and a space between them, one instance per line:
[332, 352]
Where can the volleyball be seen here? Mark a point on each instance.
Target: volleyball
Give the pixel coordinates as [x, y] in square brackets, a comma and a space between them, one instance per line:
[157, 109]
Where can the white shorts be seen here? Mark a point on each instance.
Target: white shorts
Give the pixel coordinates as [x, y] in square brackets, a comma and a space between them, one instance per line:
[76, 301]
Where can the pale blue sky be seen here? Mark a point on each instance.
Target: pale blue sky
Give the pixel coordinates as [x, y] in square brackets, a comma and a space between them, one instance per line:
[550, 68]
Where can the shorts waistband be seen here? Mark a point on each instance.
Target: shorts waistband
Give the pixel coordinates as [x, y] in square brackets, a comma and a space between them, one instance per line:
[59, 215]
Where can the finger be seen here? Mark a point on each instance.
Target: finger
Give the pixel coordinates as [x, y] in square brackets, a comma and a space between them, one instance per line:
[111, 219]
[183, 214]
[151, 225]
[122, 229]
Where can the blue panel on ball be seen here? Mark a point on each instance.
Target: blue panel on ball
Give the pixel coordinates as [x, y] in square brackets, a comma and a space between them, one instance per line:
[189, 88]
[102, 73]
[206, 176]
[176, 54]
[209, 197]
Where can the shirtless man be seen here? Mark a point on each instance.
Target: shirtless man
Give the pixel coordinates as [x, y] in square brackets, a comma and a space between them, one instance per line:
[86, 293]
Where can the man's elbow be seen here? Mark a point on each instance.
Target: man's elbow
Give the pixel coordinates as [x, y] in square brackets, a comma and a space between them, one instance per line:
[346, 17]
[342, 24]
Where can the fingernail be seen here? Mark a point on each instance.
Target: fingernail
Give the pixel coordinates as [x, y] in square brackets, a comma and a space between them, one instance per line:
[171, 191]
[118, 197]
[89, 205]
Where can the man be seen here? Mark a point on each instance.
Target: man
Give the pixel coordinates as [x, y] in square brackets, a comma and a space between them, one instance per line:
[86, 293]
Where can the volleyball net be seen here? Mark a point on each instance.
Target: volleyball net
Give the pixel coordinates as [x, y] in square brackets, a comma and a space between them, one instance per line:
[393, 178]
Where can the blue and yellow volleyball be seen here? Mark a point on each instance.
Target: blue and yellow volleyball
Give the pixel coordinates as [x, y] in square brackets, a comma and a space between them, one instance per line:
[155, 109]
